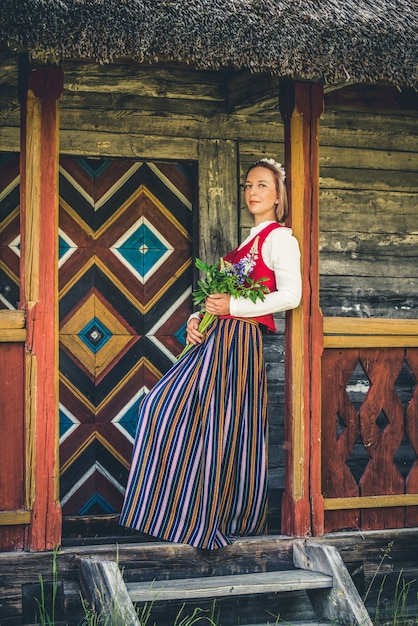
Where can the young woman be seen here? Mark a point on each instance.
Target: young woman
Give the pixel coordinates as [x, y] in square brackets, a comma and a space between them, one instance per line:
[199, 465]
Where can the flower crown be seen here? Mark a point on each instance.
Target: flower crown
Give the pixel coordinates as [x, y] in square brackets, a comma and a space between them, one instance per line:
[275, 164]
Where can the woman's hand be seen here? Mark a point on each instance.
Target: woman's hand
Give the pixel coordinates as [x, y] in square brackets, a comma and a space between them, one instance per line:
[218, 304]
[193, 336]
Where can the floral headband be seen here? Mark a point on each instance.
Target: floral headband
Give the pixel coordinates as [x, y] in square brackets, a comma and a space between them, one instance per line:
[275, 164]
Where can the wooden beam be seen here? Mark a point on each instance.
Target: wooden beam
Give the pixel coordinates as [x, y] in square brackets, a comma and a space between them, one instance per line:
[15, 518]
[371, 341]
[370, 502]
[12, 320]
[13, 335]
[369, 326]
[218, 199]
[301, 106]
[41, 89]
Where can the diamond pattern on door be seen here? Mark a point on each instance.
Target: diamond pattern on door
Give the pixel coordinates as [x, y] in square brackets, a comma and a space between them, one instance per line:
[9, 231]
[125, 276]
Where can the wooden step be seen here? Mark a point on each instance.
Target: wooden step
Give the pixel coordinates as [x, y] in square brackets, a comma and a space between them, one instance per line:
[227, 586]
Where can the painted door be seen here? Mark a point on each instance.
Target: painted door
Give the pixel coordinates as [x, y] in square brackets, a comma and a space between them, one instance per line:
[125, 277]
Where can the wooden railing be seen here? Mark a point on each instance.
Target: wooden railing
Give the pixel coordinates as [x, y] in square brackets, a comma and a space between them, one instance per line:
[370, 442]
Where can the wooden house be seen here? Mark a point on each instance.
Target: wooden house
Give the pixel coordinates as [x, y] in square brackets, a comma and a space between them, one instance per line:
[125, 130]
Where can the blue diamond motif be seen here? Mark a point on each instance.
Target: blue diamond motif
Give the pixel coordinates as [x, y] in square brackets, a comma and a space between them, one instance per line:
[63, 247]
[98, 500]
[143, 250]
[180, 335]
[95, 335]
[65, 423]
[130, 419]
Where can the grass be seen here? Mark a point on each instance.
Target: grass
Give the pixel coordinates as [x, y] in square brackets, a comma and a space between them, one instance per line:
[395, 609]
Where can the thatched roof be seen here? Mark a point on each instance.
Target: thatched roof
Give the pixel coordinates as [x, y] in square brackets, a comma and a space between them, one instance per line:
[328, 40]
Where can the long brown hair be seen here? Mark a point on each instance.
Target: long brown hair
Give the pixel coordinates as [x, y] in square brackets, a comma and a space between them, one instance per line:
[279, 176]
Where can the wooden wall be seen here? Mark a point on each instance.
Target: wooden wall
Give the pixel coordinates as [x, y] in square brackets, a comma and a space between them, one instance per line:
[369, 203]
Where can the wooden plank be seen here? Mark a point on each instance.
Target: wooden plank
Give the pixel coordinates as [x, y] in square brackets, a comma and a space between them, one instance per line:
[377, 341]
[15, 518]
[218, 220]
[227, 586]
[12, 441]
[144, 80]
[371, 326]
[136, 146]
[370, 502]
[343, 602]
[361, 97]
[12, 336]
[104, 588]
[369, 159]
[12, 320]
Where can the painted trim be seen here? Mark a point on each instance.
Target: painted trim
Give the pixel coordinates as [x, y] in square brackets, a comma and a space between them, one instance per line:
[370, 502]
[15, 518]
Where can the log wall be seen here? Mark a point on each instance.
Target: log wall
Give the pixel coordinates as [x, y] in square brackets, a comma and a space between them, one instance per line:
[369, 205]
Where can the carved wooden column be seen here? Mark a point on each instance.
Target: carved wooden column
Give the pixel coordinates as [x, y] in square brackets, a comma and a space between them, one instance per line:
[41, 89]
[301, 105]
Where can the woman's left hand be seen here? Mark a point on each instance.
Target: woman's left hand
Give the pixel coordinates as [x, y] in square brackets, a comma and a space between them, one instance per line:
[218, 304]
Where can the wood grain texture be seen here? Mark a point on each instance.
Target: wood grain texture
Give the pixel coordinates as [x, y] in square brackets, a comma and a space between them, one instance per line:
[105, 589]
[343, 601]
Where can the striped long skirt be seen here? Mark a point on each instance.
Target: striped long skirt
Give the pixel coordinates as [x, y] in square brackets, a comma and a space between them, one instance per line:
[199, 464]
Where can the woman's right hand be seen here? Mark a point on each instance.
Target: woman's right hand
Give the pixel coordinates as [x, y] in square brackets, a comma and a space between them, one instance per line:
[193, 336]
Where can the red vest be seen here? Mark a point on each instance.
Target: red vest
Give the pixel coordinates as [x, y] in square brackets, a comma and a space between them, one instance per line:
[260, 269]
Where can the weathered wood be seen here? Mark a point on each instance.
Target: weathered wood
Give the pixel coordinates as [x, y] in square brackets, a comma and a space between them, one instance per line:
[145, 80]
[301, 106]
[378, 341]
[358, 130]
[369, 159]
[372, 98]
[218, 224]
[343, 601]
[39, 205]
[370, 502]
[104, 588]
[218, 586]
[13, 335]
[361, 552]
[15, 518]
[12, 445]
[12, 320]
[373, 326]
[373, 426]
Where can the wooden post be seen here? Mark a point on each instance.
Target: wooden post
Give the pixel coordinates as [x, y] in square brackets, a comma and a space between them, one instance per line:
[218, 224]
[39, 271]
[301, 105]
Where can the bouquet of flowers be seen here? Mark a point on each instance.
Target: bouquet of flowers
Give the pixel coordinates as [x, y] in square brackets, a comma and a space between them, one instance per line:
[225, 277]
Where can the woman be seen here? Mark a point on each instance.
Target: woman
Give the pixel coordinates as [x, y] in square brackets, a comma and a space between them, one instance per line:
[199, 465]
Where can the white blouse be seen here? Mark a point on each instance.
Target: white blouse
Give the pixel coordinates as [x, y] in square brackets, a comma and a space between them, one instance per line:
[281, 254]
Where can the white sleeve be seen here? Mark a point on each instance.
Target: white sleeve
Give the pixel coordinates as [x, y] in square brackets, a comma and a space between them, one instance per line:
[281, 254]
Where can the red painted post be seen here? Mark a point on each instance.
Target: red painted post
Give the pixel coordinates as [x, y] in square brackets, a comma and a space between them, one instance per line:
[301, 106]
[39, 269]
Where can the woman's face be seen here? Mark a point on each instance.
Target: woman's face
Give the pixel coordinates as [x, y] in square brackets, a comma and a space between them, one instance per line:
[261, 194]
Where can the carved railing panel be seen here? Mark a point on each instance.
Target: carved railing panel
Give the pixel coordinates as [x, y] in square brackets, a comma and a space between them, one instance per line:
[369, 435]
